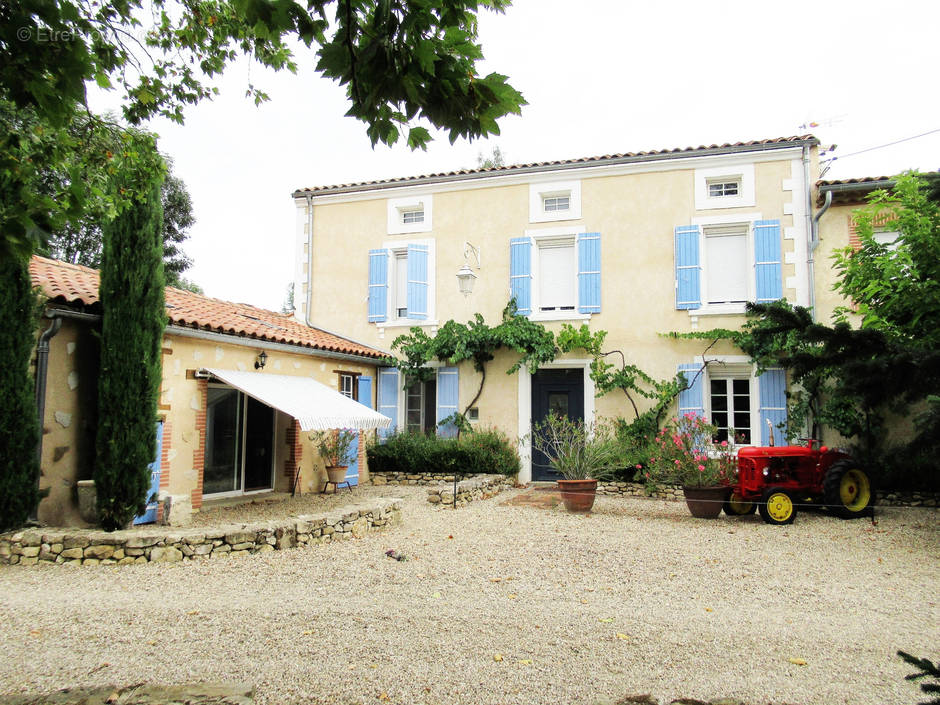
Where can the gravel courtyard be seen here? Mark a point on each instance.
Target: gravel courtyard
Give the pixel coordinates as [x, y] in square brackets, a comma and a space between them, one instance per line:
[505, 604]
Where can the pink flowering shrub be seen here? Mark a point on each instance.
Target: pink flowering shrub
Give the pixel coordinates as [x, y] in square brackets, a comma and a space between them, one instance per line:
[687, 456]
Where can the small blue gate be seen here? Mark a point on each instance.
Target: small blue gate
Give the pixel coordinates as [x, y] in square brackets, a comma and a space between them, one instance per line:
[150, 514]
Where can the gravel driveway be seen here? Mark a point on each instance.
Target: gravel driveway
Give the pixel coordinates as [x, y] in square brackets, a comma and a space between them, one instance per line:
[506, 604]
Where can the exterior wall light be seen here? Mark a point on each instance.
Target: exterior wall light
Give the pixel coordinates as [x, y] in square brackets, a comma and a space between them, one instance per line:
[465, 275]
[262, 359]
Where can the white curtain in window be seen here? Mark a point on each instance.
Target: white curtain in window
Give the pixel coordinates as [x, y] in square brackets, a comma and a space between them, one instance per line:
[726, 267]
[401, 282]
[557, 276]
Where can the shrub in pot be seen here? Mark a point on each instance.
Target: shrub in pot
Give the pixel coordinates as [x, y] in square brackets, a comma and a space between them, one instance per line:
[581, 453]
[686, 455]
[336, 449]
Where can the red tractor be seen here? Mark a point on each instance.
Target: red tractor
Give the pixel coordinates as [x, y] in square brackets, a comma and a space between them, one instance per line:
[777, 479]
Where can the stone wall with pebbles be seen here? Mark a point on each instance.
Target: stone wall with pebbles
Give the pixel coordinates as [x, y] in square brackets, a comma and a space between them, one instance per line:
[478, 487]
[413, 478]
[163, 544]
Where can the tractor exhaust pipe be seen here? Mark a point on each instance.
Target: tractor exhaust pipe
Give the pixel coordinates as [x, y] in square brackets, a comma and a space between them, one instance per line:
[770, 429]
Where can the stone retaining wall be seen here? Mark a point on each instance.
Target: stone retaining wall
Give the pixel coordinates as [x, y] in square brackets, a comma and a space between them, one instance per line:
[674, 492]
[414, 478]
[478, 487]
[158, 544]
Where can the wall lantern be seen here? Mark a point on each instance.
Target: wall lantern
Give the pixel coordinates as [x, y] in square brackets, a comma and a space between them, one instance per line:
[262, 359]
[465, 275]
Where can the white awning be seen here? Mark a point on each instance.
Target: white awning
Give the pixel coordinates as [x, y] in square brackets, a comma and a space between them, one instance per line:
[316, 406]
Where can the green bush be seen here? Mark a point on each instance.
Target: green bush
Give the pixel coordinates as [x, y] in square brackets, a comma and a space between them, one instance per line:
[635, 442]
[487, 451]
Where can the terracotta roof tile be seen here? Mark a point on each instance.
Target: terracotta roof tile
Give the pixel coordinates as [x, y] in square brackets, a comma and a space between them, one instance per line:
[563, 163]
[75, 284]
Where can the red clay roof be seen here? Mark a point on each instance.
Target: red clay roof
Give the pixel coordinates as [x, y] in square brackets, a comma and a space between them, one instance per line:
[75, 284]
[626, 157]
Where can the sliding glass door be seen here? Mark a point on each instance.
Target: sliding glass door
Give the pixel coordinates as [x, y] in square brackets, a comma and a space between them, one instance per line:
[239, 455]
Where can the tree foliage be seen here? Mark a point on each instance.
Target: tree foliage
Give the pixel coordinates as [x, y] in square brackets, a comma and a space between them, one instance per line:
[79, 240]
[400, 60]
[132, 327]
[19, 428]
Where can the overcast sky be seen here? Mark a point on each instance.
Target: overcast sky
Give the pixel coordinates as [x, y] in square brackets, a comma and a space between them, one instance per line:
[601, 77]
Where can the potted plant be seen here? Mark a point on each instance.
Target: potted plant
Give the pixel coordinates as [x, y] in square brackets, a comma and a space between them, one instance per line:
[336, 450]
[687, 456]
[581, 453]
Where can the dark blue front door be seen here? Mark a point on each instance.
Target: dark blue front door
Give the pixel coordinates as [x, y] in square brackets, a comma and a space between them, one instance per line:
[560, 392]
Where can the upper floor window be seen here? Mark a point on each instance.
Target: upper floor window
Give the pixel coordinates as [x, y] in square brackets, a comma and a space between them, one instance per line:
[556, 203]
[556, 200]
[718, 188]
[889, 238]
[556, 274]
[721, 265]
[401, 282]
[724, 187]
[410, 214]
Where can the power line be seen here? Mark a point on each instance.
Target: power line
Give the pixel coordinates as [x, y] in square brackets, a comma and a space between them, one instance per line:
[882, 146]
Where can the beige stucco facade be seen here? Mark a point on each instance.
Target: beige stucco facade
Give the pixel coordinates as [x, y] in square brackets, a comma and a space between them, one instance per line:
[635, 205]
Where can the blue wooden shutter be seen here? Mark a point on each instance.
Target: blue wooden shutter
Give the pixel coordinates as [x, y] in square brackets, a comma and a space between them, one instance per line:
[352, 470]
[767, 260]
[365, 390]
[772, 386]
[150, 513]
[688, 268]
[520, 273]
[418, 281]
[388, 398]
[447, 398]
[691, 399]
[378, 285]
[589, 273]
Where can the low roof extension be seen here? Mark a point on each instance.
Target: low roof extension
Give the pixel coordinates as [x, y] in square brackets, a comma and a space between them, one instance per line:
[75, 284]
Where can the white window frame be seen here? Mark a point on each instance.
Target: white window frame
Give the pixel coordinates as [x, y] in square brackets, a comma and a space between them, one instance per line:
[397, 207]
[745, 221]
[538, 192]
[886, 237]
[391, 312]
[544, 237]
[345, 377]
[733, 367]
[742, 173]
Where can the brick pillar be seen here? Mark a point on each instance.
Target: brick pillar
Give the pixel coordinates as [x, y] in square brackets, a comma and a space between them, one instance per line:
[199, 451]
[295, 452]
[165, 464]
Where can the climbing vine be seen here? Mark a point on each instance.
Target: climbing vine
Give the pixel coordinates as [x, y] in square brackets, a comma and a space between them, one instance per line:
[475, 342]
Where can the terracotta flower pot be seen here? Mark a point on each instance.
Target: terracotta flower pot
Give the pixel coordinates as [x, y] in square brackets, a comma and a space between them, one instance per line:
[337, 473]
[578, 495]
[705, 502]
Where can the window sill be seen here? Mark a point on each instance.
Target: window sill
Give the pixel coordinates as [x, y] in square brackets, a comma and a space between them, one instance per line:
[718, 310]
[404, 323]
[559, 316]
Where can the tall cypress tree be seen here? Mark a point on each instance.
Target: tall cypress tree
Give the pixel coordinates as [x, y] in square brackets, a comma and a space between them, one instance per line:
[133, 321]
[19, 426]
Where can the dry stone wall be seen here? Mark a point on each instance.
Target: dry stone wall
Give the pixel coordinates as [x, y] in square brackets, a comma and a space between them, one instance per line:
[413, 478]
[164, 545]
[479, 487]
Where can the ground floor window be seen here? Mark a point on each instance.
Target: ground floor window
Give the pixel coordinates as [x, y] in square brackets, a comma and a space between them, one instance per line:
[420, 407]
[239, 448]
[730, 403]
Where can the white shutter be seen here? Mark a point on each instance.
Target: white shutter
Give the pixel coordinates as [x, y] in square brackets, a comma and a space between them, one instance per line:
[557, 277]
[726, 267]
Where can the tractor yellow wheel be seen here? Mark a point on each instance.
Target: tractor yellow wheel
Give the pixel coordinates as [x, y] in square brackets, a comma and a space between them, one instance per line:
[734, 506]
[847, 489]
[777, 506]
